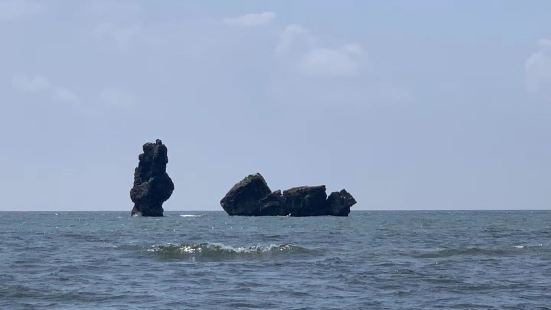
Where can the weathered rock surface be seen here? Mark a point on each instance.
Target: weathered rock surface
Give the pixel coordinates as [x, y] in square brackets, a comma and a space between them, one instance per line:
[273, 204]
[253, 197]
[339, 203]
[244, 197]
[152, 185]
[306, 200]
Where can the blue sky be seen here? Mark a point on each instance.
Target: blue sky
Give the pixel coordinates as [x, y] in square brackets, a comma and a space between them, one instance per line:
[406, 104]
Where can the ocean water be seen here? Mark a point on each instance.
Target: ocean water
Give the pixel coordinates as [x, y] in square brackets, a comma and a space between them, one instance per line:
[208, 260]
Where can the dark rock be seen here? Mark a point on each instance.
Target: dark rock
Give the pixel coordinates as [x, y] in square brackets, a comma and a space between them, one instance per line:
[273, 204]
[339, 203]
[252, 197]
[152, 185]
[244, 197]
[306, 200]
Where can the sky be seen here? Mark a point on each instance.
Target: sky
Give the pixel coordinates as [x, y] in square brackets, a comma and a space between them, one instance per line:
[406, 104]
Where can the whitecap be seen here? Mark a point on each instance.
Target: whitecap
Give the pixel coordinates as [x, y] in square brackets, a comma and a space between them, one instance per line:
[219, 251]
[528, 246]
[191, 215]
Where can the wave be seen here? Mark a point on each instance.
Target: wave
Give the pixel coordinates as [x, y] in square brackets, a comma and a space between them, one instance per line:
[219, 251]
[191, 215]
[478, 251]
[523, 246]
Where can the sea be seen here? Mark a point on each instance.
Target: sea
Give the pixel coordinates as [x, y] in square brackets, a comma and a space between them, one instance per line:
[209, 260]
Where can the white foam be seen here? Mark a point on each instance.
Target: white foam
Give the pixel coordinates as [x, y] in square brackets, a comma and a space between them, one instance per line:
[210, 248]
[191, 215]
[528, 246]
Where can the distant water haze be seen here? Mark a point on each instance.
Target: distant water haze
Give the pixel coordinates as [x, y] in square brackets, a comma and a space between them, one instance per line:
[406, 105]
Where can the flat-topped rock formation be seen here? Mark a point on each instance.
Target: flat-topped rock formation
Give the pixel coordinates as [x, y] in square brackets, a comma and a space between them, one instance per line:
[152, 185]
[252, 197]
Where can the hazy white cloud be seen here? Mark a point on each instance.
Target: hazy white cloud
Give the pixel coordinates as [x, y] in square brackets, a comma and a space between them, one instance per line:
[64, 95]
[14, 9]
[253, 19]
[538, 70]
[39, 84]
[385, 92]
[342, 61]
[122, 35]
[25, 83]
[294, 37]
[112, 10]
[299, 46]
[118, 98]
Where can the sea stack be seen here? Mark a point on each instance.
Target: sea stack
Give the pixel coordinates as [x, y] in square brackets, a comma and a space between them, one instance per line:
[252, 197]
[244, 197]
[152, 185]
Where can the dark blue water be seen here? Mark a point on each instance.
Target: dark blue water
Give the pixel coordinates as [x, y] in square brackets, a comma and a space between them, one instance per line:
[370, 260]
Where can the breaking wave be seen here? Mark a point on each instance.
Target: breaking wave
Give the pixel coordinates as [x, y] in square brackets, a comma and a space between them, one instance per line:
[219, 251]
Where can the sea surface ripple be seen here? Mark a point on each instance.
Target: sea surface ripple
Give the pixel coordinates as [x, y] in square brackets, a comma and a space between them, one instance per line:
[208, 260]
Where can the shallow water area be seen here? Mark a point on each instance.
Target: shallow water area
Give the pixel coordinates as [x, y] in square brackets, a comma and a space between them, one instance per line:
[371, 259]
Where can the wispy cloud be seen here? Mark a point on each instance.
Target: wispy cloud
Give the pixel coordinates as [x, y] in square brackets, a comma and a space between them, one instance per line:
[313, 59]
[294, 37]
[39, 84]
[117, 98]
[14, 9]
[112, 10]
[122, 35]
[31, 84]
[538, 70]
[62, 94]
[341, 61]
[250, 20]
